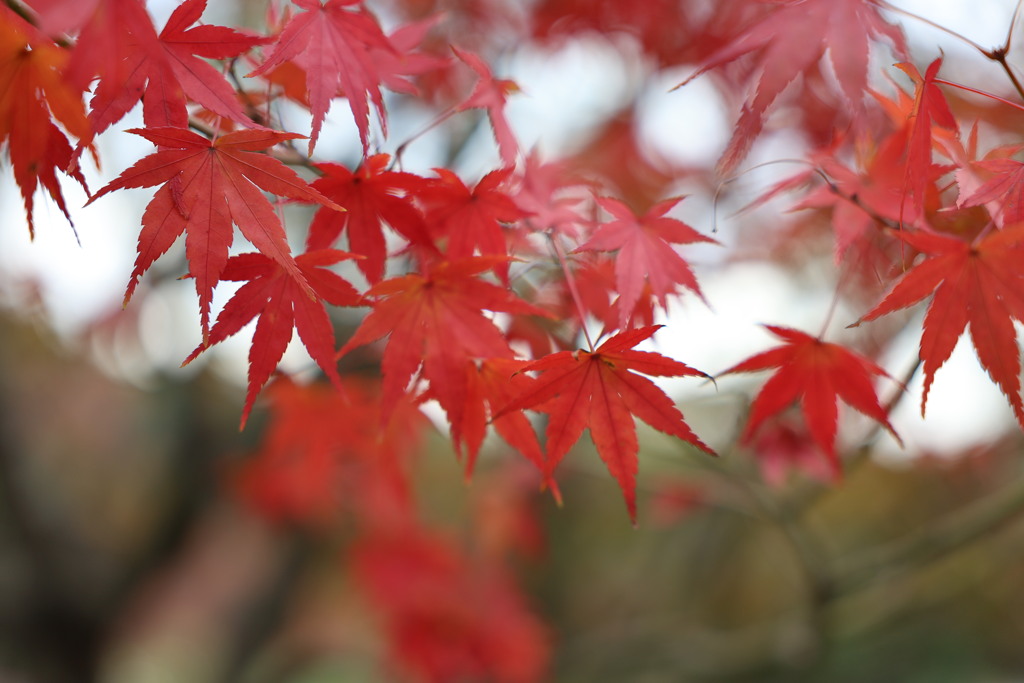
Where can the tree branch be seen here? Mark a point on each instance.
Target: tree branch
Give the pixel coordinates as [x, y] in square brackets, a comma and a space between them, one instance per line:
[951, 534]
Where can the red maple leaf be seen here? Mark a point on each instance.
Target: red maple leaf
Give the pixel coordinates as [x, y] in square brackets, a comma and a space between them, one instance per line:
[112, 37]
[324, 453]
[600, 390]
[32, 93]
[436, 320]
[206, 186]
[471, 219]
[448, 616]
[785, 446]
[491, 94]
[403, 61]
[335, 47]
[595, 280]
[791, 39]
[930, 109]
[550, 194]
[168, 69]
[645, 253]
[816, 373]
[1005, 188]
[372, 196]
[282, 302]
[490, 384]
[980, 284]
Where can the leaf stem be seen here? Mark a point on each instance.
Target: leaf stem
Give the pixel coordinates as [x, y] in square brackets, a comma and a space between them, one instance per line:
[573, 291]
[951, 533]
[396, 160]
[989, 95]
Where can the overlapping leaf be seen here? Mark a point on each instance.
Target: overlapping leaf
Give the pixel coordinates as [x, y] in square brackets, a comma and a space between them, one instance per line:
[206, 186]
[324, 453]
[1005, 188]
[646, 255]
[492, 383]
[601, 390]
[930, 109]
[816, 373]
[491, 94]
[169, 69]
[436, 321]
[471, 219]
[373, 196]
[980, 284]
[791, 39]
[335, 46]
[282, 302]
[32, 94]
[110, 37]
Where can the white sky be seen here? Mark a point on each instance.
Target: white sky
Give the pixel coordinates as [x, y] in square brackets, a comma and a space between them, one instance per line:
[562, 91]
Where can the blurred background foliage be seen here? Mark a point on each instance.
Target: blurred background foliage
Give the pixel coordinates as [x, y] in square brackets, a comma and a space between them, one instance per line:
[125, 556]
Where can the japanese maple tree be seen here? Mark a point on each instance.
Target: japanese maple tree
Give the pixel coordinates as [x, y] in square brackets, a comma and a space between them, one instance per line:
[528, 296]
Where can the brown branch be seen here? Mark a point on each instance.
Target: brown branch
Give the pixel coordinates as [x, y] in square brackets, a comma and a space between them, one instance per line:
[952, 533]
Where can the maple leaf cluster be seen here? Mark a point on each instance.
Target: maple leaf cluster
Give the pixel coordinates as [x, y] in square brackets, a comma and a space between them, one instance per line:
[456, 312]
[519, 297]
[463, 242]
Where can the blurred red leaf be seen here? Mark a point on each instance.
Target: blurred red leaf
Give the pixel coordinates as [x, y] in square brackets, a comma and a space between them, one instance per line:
[816, 373]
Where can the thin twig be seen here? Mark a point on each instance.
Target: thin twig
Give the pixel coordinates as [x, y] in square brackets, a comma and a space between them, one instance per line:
[929, 22]
[573, 291]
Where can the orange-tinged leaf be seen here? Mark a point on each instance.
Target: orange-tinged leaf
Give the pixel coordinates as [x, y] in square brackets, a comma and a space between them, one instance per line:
[816, 373]
[979, 284]
[930, 109]
[602, 391]
[32, 94]
[208, 185]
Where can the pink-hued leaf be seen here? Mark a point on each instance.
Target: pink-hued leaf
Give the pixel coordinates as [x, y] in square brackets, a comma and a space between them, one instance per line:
[791, 39]
[646, 255]
[1005, 189]
[336, 48]
[491, 94]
